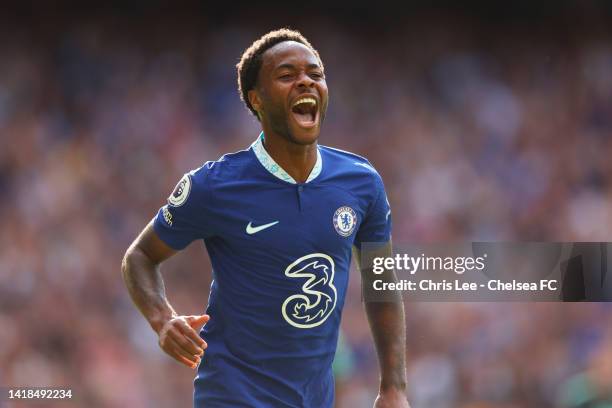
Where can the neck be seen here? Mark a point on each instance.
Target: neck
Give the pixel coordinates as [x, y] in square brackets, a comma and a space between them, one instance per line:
[296, 159]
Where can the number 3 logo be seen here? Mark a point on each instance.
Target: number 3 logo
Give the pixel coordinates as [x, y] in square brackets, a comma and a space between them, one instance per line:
[318, 298]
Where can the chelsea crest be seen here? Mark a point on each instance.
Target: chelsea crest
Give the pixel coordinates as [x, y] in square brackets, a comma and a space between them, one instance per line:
[345, 221]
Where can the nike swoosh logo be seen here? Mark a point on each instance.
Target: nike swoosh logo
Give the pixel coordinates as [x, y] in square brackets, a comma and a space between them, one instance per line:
[250, 229]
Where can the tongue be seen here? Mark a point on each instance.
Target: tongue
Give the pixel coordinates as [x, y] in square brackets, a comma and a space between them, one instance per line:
[303, 115]
[303, 118]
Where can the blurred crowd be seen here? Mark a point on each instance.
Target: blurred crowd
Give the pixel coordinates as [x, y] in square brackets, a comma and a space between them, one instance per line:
[481, 131]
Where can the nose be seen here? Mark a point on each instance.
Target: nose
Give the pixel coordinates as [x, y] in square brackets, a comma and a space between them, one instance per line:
[305, 81]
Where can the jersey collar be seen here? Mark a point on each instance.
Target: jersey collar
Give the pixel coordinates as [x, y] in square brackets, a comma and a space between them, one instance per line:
[268, 162]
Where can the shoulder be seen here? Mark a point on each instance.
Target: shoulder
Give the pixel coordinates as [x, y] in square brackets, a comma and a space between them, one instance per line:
[349, 164]
[197, 183]
[226, 167]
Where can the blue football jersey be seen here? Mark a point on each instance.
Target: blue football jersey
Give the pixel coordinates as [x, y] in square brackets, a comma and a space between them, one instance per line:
[280, 253]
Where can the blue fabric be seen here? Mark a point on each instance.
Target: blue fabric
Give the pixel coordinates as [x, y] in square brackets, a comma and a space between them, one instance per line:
[280, 253]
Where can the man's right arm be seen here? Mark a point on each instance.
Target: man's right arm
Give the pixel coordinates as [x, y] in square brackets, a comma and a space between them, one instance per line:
[178, 335]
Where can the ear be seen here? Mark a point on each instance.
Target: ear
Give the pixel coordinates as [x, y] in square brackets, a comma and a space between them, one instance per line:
[255, 101]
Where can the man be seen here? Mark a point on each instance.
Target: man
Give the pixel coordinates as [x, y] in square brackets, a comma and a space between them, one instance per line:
[279, 221]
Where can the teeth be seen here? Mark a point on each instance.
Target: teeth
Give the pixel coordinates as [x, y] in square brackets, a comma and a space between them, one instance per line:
[311, 101]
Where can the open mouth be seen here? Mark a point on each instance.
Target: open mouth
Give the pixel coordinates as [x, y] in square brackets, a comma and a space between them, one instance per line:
[305, 111]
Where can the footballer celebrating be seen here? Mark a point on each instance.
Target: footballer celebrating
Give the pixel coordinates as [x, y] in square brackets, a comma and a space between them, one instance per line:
[279, 220]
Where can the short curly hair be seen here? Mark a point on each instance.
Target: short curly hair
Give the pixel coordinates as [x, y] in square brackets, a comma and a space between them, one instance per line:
[250, 62]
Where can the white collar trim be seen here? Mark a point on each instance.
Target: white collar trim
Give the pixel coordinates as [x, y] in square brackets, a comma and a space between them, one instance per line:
[269, 164]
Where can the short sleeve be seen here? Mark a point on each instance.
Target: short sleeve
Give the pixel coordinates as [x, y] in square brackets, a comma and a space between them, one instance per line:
[376, 226]
[185, 216]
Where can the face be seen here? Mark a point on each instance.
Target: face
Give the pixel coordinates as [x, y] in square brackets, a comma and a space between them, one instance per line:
[291, 93]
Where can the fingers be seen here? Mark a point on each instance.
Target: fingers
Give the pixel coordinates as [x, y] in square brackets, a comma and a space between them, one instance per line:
[179, 354]
[184, 341]
[196, 322]
[180, 341]
[174, 350]
[193, 336]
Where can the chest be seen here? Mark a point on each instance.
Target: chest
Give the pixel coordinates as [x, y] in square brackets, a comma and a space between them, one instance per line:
[289, 218]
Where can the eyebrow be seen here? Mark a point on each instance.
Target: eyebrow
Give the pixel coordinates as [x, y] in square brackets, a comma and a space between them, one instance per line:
[291, 66]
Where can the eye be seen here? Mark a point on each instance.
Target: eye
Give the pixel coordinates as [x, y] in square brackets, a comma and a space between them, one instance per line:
[285, 77]
[316, 75]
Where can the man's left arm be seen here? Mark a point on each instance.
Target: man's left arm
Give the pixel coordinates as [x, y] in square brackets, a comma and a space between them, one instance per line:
[385, 313]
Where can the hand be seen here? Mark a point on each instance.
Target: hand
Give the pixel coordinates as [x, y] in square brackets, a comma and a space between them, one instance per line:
[391, 398]
[179, 338]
